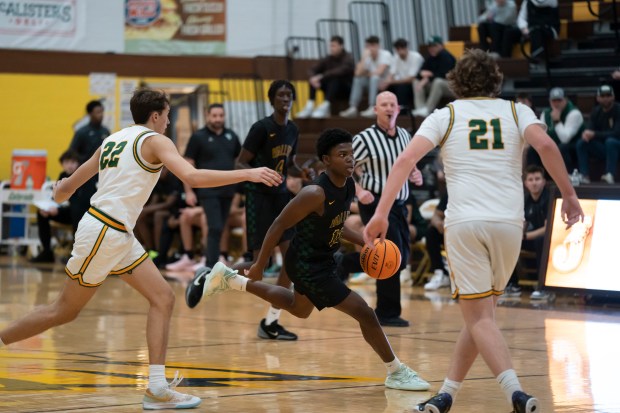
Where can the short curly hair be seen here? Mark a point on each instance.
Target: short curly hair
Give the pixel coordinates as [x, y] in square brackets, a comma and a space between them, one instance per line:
[277, 84]
[475, 74]
[330, 138]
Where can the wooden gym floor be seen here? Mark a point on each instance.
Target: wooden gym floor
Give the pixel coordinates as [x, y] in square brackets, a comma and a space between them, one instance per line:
[566, 354]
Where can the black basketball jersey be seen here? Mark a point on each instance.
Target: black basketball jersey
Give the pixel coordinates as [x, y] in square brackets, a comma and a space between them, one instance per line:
[536, 211]
[317, 237]
[272, 145]
[209, 150]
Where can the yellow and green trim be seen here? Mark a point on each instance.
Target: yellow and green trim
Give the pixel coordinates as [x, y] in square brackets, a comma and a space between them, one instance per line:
[136, 155]
[131, 266]
[94, 250]
[79, 279]
[514, 113]
[86, 263]
[106, 219]
[479, 98]
[450, 125]
[477, 296]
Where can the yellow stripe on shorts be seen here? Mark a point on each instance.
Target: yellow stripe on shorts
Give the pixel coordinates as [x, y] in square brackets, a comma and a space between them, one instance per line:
[93, 251]
[131, 266]
[78, 277]
[479, 295]
[106, 219]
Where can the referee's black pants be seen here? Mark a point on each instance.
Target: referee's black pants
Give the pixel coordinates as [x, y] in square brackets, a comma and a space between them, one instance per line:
[388, 290]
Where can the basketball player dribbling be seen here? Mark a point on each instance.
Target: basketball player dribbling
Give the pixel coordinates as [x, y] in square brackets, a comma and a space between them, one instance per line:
[129, 164]
[481, 139]
[318, 213]
[271, 142]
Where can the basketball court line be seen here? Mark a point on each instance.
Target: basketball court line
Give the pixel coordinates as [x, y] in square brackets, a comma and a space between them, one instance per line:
[319, 334]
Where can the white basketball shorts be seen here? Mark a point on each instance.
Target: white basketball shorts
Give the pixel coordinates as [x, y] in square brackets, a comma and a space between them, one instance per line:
[102, 246]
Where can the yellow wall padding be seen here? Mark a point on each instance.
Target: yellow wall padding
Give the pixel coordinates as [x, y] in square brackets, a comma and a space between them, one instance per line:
[582, 13]
[473, 36]
[456, 48]
[563, 30]
[38, 112]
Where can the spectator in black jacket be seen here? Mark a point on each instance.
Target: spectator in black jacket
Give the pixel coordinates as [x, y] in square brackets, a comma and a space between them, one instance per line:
[333, 75]
[601, 139]
[432, 85]
[496, 23]
[63, 214]
[539, 21]
[536, 204]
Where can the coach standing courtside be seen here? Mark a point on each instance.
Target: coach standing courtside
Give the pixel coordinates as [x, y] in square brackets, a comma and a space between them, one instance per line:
[213, 147]
[376, 149]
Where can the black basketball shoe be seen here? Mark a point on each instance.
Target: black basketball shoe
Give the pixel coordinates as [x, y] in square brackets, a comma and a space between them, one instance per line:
[439, 403]
[274, 331]
[524, 403]
[193, 292]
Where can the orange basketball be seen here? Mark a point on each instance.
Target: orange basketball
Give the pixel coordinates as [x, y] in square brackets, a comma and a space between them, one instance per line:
[381, 262]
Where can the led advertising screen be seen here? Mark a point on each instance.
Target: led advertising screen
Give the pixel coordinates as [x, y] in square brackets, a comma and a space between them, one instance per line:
[585, 256]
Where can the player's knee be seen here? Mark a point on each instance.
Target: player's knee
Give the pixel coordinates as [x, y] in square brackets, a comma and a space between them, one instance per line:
[164, 300]
[168, 299]
[63, 315]
[365, 314]
[304, 313]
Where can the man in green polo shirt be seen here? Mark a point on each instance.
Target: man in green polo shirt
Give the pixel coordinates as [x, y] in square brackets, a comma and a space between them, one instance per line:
[564, 124]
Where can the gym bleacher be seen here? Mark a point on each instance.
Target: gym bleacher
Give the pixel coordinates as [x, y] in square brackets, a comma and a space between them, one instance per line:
[579, 60]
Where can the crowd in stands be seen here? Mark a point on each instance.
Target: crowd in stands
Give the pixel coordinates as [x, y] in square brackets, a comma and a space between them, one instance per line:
[588, 142]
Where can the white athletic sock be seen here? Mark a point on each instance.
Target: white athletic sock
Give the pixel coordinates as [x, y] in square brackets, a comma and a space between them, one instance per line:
[451, 387]
[238, 283]
[272, 315]
[157, 377]
[393, 365]
[509, 382]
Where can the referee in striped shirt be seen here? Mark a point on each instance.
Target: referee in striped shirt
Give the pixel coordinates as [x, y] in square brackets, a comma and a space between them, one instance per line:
[376, 149]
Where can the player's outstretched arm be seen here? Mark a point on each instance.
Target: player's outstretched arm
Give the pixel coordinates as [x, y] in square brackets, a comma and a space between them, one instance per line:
[161, 149]
[310, 199]
[402, 169]
[554, 164]
[64, 188]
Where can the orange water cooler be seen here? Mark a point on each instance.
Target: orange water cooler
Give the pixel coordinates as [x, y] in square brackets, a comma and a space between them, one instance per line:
[28, 168]
[28, 172]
